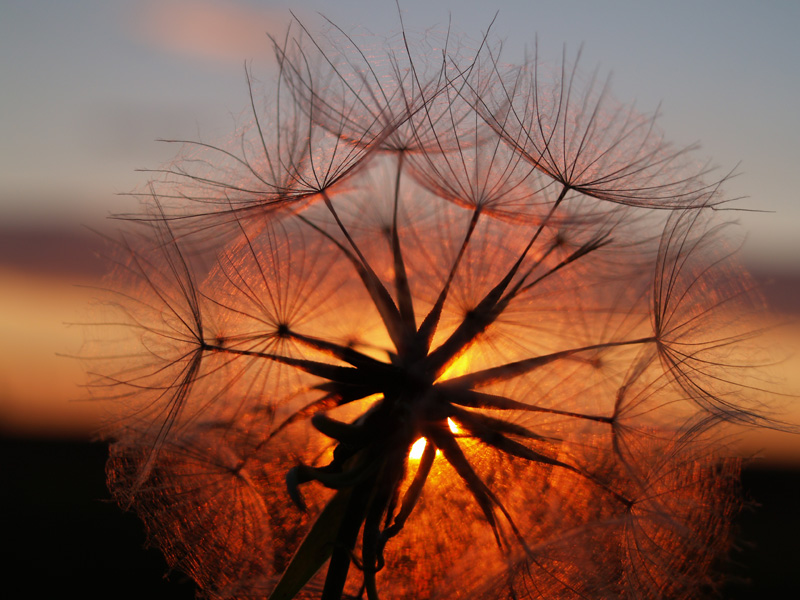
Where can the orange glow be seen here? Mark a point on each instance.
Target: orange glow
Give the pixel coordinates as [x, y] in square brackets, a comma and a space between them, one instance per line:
[419, 446]
[417, 449]
[460, 366]
[33, 310]
[205, 30]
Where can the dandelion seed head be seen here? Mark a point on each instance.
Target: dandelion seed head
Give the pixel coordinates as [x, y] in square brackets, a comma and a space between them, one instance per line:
[429, 311]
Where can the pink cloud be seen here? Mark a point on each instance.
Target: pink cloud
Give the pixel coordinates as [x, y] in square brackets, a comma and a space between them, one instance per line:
[209, 30]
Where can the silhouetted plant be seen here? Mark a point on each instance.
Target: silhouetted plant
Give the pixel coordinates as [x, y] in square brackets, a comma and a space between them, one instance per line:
[431, 326]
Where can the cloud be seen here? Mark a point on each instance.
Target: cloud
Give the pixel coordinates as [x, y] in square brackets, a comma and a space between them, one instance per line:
[209, 30]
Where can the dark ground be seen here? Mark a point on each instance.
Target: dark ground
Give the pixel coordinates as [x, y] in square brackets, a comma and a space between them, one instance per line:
[61, 537]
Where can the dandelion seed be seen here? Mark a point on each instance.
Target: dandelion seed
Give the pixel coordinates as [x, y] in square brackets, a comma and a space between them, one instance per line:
[423, 318]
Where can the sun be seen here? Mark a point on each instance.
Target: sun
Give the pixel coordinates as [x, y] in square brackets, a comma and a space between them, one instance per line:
[419, 446]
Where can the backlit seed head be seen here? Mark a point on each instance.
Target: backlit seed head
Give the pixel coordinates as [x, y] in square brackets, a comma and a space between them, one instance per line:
[431, 327]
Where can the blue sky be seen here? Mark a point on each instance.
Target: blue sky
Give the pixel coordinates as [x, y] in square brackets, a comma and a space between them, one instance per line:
[88, 85]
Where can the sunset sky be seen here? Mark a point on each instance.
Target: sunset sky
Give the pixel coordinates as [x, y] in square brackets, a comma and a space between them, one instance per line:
[89, 85]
